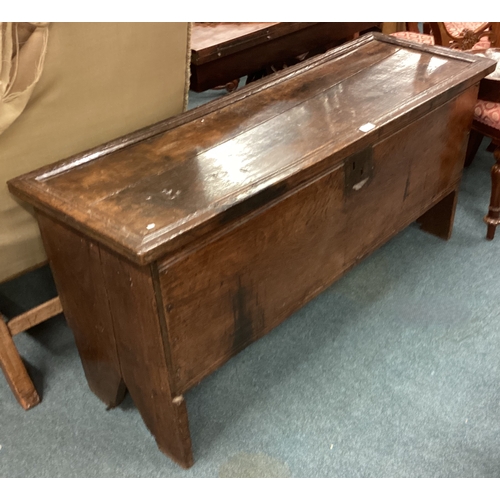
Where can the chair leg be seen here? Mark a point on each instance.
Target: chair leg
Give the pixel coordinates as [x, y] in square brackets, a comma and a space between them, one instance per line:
[475, 139]
[493, 217]
[15, 371]
[491, 147]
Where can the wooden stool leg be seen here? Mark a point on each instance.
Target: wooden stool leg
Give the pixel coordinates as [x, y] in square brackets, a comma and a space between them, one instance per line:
[15, 371]
[438, 220]
[493, 217]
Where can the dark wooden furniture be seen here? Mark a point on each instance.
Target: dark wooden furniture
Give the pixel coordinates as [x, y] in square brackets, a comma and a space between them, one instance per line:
[224, 52]
[10, 361]
[175, 247]
[489, 90]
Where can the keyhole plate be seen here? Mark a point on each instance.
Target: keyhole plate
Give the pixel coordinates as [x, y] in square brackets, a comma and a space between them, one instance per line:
[358, 170]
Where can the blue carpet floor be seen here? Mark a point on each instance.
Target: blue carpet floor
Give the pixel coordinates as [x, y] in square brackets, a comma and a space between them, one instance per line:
[391, 372]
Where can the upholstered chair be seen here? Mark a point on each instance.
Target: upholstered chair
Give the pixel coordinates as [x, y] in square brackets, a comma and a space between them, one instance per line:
[66, 88]
[461, 36]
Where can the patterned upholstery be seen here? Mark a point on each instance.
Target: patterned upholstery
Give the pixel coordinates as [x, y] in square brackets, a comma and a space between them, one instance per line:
[414, 37]
[488, 113]
[454, 29]
[457, 30]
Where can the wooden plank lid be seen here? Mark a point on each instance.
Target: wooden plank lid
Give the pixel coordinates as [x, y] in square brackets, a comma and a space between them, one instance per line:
[156, 190]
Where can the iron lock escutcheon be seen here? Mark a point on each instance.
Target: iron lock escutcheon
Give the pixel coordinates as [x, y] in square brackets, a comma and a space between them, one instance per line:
[358, 170]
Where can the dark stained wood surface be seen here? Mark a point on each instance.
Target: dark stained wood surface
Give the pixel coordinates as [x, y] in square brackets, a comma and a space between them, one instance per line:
[110, 305]
[222, 52]
[417, 167]
[236, 283]
[212, 40]
[304, 242]
[143, 351]
[163, 192]
[87, 311]
[176, 247]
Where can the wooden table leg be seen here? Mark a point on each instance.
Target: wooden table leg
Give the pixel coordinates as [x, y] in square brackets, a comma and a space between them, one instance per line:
[438, 220]
[493, 217]
[14, 370]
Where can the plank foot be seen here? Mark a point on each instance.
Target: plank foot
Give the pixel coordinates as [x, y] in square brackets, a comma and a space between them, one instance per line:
[174, 440]
[85, 304]
[104, 382]
[144, 366]
[438, 220]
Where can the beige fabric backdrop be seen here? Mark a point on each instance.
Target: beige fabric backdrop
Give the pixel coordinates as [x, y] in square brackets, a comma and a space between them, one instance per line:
[22, 53]
[388, 28]
[100, 81]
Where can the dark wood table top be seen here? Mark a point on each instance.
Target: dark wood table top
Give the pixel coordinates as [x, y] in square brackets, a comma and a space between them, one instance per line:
[222, 52]
[212, 40]
[158, 189]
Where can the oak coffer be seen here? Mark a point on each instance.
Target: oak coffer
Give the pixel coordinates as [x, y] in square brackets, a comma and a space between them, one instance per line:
[175, 247]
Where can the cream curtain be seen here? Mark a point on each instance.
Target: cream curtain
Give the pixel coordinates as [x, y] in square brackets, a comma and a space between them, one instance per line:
[22, 54]
[100, 81]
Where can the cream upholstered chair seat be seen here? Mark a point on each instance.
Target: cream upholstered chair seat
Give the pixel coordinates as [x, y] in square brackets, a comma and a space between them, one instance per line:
[66, 88]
